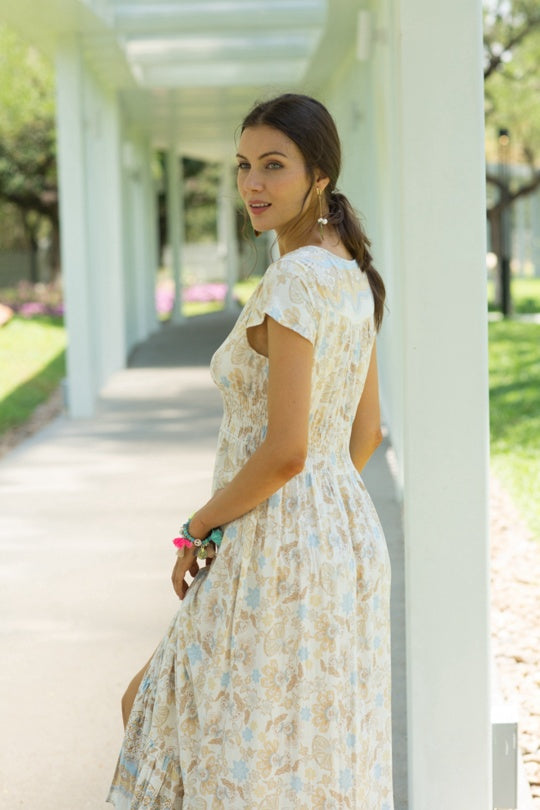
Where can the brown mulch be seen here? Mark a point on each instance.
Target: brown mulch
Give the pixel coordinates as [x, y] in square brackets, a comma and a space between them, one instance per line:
[515, 624]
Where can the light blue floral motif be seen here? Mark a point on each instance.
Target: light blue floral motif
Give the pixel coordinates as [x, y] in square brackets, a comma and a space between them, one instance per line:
[247, 734]
[226, 679]
[276, 313]
[376, 602]
[296, 783]
[313, 540]
[256, 676]
[194, 652]
[345, 779]
[379, 699]
[347, 603]
[309, 480]
[377, 771]
[232, 531]
[302, 611]
[351, 739]
[253, 598]
[376, 642]
[303, 653]
[274, 500]
[146, 682]
[305, 713]
[262, 561]
[353, 678]
[240, 770]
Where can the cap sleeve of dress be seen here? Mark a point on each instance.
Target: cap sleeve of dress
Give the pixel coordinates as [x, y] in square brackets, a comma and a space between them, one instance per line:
[284, 294]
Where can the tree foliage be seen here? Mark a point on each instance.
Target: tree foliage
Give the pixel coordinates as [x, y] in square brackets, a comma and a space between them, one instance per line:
[512, 104]
[507, 24]
[28, 177]
[512, 88]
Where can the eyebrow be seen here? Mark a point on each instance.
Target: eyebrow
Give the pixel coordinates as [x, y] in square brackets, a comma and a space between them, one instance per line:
[264, 154]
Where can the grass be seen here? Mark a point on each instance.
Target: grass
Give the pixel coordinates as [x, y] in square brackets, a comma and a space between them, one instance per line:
[525, 294]
[32, 363]
[514, 359]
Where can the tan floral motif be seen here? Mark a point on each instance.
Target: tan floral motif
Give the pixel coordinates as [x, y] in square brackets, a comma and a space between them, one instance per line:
[271, 688]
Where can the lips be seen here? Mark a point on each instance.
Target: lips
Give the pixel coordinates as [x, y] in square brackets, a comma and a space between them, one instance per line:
[257, 207]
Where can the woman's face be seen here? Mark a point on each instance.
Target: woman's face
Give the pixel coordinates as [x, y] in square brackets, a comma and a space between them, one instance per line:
[272, 178]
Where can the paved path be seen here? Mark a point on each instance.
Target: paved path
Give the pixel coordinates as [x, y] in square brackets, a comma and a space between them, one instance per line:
[87, 509]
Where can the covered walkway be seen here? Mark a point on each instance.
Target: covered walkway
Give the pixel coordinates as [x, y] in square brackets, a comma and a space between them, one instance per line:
[134, 77]
[87, 511]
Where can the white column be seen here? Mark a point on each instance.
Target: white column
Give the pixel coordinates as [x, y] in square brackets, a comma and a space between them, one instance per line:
[227, 238]
[175, 226]
[91, 232]
[109, 268]
[77, 279]
[441, 227]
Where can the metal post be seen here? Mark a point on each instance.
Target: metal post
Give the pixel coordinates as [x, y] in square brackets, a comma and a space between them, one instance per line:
[504, 175]
[175, 226]
[227, 233]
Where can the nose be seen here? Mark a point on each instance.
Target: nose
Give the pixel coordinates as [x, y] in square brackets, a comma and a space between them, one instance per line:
[252, 181]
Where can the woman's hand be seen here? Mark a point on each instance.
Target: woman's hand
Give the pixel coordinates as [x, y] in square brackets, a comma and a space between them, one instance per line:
[185, 564]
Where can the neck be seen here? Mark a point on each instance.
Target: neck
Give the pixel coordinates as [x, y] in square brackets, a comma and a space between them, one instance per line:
[330, 241]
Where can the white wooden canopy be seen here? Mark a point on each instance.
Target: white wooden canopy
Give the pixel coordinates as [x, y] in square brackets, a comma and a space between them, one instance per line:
[190, 69]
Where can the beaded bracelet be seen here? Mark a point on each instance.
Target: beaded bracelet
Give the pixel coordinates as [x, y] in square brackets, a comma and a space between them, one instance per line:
[186, 540]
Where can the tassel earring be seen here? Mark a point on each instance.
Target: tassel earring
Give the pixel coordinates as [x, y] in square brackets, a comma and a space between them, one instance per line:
[322, 221]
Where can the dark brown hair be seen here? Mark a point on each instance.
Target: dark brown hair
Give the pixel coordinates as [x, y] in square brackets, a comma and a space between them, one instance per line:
[311, 127]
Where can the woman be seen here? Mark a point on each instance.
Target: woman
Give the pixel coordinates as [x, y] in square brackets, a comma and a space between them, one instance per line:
[271, 689]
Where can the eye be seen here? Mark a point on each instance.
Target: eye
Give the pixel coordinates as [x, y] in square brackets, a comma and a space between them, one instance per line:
[274, 164]
[242, 166]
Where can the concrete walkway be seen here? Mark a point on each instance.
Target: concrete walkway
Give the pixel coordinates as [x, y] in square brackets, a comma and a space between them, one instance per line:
[87, 510]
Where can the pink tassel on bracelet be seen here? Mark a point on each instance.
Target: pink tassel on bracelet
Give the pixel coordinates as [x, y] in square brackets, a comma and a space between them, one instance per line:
[182, 542]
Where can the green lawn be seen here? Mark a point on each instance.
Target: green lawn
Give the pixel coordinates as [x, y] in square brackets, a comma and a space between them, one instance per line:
[525, 294]
[32, 363]
[514, 360]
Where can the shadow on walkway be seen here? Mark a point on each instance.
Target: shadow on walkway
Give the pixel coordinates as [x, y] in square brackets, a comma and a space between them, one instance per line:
[87, 512]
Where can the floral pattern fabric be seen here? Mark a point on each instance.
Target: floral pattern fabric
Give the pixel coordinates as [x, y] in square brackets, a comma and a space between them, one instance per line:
[271, 688]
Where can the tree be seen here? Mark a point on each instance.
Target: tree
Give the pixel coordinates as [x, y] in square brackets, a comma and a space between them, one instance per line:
[512, 97]
[28, 178]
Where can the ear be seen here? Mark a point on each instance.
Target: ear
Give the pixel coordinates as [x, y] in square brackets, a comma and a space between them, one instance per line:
[321, 181]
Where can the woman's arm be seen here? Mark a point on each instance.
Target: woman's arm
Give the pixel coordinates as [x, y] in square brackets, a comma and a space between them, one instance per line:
[366, 434]
[283, 452]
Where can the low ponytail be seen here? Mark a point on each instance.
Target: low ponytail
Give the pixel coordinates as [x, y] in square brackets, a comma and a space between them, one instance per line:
[347, 224]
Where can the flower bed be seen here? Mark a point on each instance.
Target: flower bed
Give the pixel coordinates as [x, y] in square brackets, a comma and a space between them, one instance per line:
[30, 300]
[194, 294]
[33, 300]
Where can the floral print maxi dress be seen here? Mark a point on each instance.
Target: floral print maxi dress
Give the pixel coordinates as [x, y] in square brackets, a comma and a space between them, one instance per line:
[271, 688]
